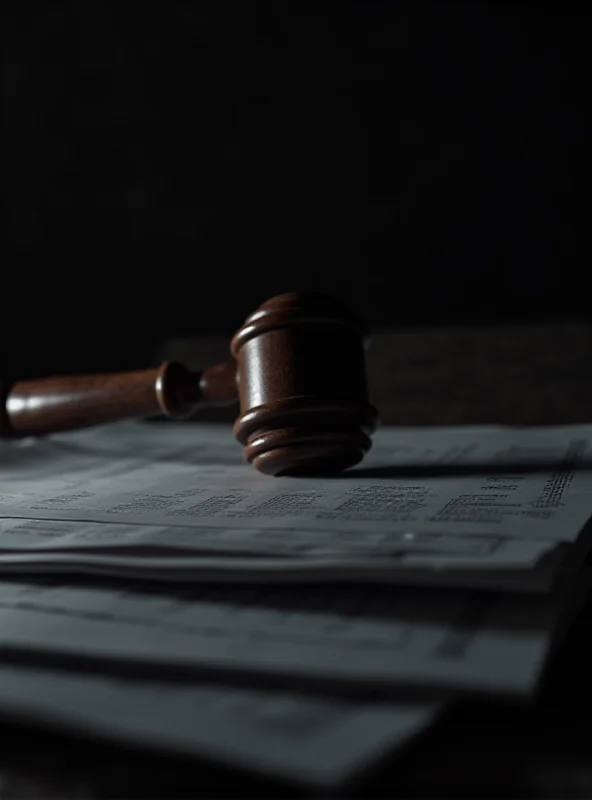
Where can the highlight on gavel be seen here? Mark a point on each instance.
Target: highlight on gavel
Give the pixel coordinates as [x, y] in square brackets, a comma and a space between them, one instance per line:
[298, 374]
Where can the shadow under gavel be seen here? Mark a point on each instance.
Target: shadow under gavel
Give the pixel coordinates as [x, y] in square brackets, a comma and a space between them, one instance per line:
[298, 374]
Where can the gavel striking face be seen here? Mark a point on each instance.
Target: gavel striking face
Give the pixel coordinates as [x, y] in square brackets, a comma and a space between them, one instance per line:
[298, 374]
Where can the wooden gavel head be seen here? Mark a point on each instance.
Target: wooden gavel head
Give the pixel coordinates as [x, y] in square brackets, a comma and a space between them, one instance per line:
[301, 382]
[299, 376]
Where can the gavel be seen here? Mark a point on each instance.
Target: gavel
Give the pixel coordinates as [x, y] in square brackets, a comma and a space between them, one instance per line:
[298, 374]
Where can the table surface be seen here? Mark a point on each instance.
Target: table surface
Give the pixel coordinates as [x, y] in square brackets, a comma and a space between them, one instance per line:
[540, 749]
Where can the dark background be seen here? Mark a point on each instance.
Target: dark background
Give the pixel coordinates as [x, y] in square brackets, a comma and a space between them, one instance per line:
[167, 167]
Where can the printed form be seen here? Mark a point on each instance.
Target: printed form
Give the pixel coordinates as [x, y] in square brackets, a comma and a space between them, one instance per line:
[142, 552]
[474, 505]
[345, 638]
[468, 507]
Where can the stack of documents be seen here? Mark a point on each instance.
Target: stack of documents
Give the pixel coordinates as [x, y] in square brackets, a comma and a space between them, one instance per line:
[300, 628]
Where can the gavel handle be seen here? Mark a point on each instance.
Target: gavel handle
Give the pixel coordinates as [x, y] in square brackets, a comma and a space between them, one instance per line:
[37, 407]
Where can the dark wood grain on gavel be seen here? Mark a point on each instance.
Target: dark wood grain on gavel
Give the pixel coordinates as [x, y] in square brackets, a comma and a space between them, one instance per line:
[299, 376]
[34, 408]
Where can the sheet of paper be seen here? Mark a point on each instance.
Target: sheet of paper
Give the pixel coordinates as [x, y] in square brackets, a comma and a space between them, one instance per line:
[183, 554]
[19, 534]
[213, 446]
[40, 534]
[322, 742]
[116, 450]
[369, 640]
[501, 447]
[526, 507]
[188, 478]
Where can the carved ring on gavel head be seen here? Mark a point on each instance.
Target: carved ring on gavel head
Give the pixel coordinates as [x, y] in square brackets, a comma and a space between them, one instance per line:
[299, 377]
